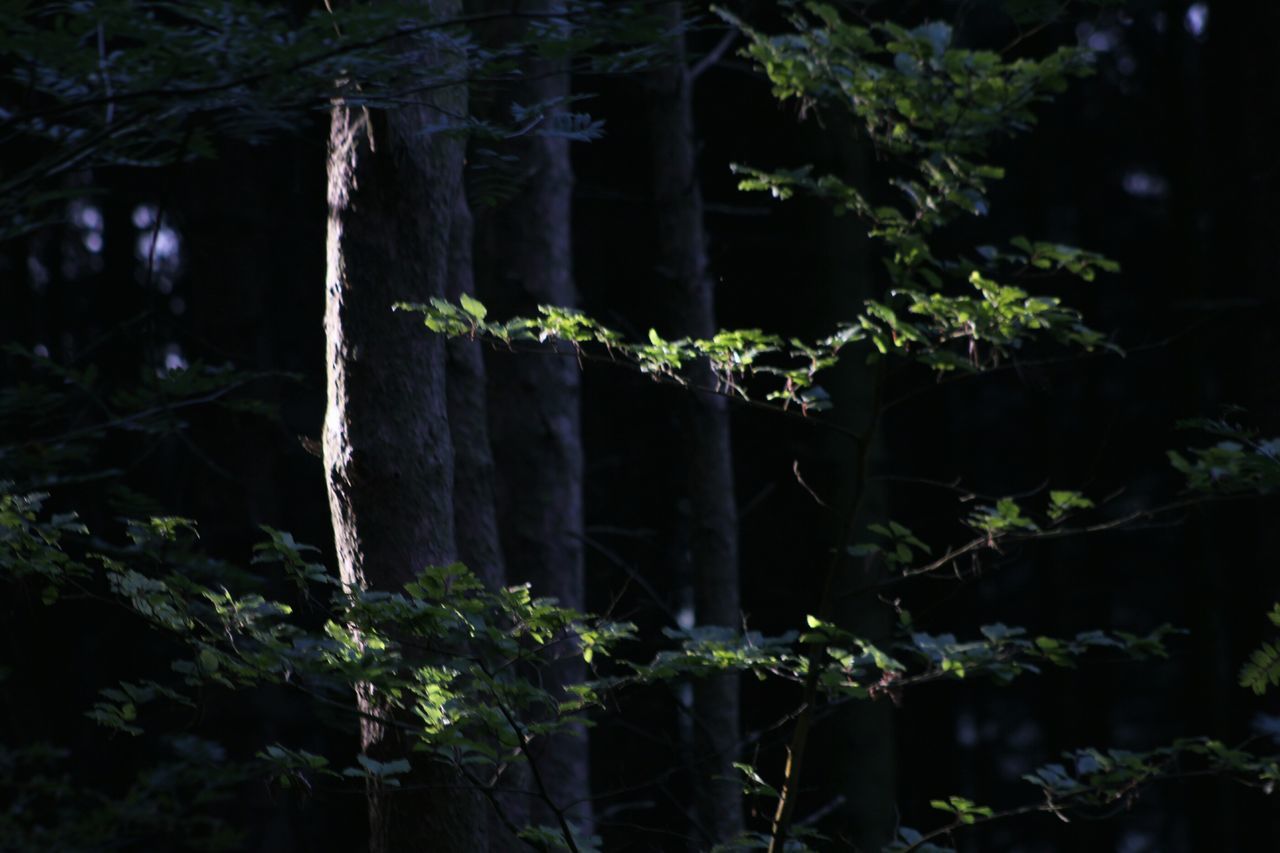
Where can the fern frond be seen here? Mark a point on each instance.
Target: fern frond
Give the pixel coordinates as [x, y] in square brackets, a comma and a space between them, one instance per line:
[1262, 670]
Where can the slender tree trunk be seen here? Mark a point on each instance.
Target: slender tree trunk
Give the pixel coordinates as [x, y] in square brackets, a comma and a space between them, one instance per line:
[861, 742]
[393, 196]
[475, 515]
[682, 265]
[524, 259]
[474, 510]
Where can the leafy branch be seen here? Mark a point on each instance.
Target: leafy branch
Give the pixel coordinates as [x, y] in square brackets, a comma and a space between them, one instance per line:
[1091, 779]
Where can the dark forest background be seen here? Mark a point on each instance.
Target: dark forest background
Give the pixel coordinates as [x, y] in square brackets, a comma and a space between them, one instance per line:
[1165, 160]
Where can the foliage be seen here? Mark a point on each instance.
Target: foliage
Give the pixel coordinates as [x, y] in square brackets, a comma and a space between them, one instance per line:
[786, 370]
[1262, 670]
[931, 110]
[454, 664]
[1092, 781]
[65, 411]
[445, 653]
[450, 658]
[1242, 462]
[170, 805]
[95, 84]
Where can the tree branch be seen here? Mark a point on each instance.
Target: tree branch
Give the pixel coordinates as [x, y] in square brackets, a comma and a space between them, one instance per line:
[714, 55]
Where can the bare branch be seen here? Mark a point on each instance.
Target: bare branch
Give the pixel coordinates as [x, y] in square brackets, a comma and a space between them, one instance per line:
[714, 55]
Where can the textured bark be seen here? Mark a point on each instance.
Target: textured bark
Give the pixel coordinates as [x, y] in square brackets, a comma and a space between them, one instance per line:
[682, 266]
[524, 259]
[393, 194]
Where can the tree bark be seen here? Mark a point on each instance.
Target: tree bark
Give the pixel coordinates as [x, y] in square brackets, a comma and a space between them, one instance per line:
[389, 459]
[682, 266]
[475, 515]
[474, 509]
[524, 258]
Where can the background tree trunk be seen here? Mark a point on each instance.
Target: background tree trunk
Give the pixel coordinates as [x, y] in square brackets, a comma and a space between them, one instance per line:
[475, 516]
[393, 196]
[474, 511]
[524, 259]
[861, 743]
[682, 266]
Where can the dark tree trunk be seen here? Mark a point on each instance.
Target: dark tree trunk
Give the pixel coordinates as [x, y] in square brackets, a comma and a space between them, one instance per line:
[474, 511]
[682, 266]
[861, 740]
[523, 260]
[475, 516]
[393, 196]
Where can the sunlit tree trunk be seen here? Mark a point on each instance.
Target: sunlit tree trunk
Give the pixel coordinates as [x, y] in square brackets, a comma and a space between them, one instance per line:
[682, 267]
[393, 195]
[523, 259]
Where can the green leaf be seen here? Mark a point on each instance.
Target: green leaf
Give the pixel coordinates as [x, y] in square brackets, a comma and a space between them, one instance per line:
[473, 306]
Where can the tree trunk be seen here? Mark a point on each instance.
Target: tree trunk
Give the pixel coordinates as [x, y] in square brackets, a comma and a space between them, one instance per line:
[523, 260]
[393, 196]
[682, 265]
[861, 741]
[475, 516]
[474, 510]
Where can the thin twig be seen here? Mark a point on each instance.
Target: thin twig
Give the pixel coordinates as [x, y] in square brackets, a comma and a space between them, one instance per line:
[1122, 524]
[126, 420]
[1044, 22]
[817, 650]
[795, 471]
[105, 72]
[714, 55]
[522, 739]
